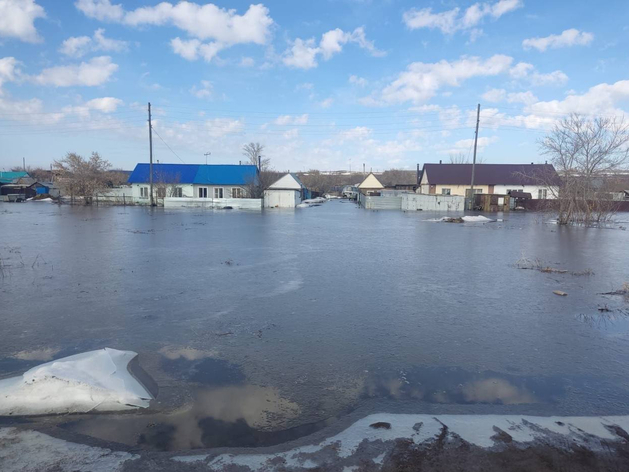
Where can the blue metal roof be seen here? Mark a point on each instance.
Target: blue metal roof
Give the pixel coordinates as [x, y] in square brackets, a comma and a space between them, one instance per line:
[166, 173]
[226, 174]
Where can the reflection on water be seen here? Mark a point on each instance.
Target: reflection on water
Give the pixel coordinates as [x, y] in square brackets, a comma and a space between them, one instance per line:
[225, 416]
[453, 385]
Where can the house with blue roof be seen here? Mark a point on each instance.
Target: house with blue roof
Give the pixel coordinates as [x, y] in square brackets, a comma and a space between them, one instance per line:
[198, 181]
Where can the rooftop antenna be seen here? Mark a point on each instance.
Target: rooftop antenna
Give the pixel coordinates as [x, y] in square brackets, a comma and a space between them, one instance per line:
[207, 154]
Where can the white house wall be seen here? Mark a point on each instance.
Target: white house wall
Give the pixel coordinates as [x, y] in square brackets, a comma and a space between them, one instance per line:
[281, 198]
[532, 189]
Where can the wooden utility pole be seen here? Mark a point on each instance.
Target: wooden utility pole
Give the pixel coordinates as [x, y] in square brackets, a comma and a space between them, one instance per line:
[474, 159]
[151, 157]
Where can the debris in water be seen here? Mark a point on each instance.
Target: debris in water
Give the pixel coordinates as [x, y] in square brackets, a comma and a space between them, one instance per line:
[560, 293]
[380, 425]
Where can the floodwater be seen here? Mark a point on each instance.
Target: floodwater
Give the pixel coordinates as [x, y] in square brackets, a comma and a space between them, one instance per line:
[259, 328]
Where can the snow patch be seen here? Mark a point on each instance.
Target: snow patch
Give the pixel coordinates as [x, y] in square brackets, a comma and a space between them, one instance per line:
[475, 429]
[91, 381]
[476, 219]
[30, 451]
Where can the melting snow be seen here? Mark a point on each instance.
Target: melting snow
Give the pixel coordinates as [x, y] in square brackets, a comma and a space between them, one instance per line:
[91, 381]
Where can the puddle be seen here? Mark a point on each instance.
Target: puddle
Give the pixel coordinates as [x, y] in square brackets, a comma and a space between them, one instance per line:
[454, 385]
[243, 416]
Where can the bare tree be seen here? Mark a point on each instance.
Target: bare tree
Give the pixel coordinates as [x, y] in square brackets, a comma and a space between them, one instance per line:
[265, 175]
[461, 158]
[166, 185]
[253, 151]
[82, 177]
[587, 154]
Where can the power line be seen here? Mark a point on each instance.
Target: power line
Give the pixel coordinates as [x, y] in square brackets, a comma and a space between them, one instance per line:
[160, 138]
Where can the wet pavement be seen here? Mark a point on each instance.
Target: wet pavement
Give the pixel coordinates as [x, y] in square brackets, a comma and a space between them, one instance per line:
[259, 328]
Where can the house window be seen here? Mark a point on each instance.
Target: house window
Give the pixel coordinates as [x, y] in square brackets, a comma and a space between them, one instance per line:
[445, 191]
[542, 193]
[218, 192]
[161, 192]
[177, 192]
[144, 192]
[238, 192]
[202, 192]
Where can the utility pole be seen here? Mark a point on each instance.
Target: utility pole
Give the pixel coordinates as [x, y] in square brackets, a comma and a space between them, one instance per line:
[24, 164]
[474, 159]
[151, 156]
[207, 154]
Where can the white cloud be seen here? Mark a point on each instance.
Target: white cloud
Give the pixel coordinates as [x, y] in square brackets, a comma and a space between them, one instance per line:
[494, 95]
[448, 22]
[96, 71]
[9, 71]
[204, 91]
[421, 81]
[247, 62]
[360, 81]
[206, 21]
[553, 78]
[499, 95]
[359, 132]
[104, 104]
[193, 48]
[327, 103]
[17, 19]
[284, 120]
[78, 46]
[569, 37]
[302, 54]
[524, 70]
[464, 145]
[101, 10]
[602, 99]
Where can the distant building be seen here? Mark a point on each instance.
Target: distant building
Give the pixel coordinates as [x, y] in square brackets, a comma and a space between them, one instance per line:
[502, 179]
[205, 182]
[287, 192]
[370, 185]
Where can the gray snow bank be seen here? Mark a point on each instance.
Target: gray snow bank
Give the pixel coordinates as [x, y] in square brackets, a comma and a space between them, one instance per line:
[32, 451]
[479, 430]
[91, 381]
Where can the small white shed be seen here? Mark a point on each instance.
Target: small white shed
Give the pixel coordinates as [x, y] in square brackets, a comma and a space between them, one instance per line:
[287, 192]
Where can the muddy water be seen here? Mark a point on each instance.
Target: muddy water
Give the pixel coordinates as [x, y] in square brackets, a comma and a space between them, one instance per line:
[262, 327]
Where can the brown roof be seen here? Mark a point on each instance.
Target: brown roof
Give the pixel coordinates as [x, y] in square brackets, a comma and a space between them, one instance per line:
[490, 174]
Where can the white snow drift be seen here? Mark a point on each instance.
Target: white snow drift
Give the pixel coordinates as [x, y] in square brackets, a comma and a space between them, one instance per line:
[91, 381]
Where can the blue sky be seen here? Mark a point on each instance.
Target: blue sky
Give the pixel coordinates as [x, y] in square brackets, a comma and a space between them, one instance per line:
[324, 84]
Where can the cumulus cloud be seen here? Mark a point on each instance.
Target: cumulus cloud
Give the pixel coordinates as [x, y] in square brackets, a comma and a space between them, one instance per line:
[464, 145]
[284, 120]
[524, 70]
[204, 91]
[193, 49]
[421, 81]
[451, 21]
[500, 95]
[223, 27]
[78, 46]
[327, 103]
[102, 105]
[360, 81]
[96, 71]
[569, 37]
[302, 54]
[9, 70]
[17, 18]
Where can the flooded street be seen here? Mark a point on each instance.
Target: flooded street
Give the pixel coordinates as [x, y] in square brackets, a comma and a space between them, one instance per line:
[257, 328]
